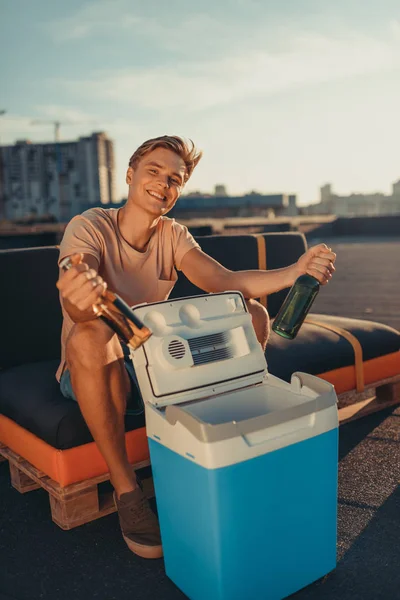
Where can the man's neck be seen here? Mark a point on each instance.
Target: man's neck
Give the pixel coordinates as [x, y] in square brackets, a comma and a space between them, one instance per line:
[135, 227]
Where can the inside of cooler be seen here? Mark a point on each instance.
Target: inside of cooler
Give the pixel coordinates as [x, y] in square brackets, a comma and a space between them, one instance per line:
[247, 403]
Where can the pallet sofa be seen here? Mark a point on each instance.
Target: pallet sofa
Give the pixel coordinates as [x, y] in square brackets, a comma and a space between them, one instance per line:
[43, 435]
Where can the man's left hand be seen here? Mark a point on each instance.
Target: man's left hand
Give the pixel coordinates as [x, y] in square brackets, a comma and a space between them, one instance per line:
[318, 261]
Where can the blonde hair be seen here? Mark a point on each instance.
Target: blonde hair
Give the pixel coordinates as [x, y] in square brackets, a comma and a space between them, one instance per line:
[185, 149]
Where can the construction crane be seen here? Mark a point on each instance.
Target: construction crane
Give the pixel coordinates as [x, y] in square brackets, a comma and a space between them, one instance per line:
[56, 125]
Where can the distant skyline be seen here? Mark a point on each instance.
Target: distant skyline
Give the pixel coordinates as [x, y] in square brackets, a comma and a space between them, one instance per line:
[281, 97]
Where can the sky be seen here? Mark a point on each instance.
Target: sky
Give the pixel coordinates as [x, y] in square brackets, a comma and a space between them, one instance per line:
[282, 97]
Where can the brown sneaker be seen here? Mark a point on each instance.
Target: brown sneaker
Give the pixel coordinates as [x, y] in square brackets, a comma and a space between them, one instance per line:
[139, 524]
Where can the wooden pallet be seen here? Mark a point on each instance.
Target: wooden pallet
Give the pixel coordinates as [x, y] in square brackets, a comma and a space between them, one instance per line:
[75, 504]
[376, 397]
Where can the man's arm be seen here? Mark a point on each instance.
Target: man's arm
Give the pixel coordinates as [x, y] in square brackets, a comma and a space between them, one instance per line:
[80, 287]
[209, 275]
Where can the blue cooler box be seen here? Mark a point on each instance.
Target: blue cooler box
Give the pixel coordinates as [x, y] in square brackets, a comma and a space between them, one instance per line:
[244, 464]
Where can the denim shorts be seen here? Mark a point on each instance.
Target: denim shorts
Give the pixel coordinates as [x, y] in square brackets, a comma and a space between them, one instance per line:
[134, 401]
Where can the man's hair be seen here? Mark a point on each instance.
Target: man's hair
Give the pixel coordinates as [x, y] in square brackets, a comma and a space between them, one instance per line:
[185, 149]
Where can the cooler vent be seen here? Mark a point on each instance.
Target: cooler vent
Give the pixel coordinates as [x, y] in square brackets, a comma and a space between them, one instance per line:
[176, 349]
[209, 340]
[211, 348]
[212, 356]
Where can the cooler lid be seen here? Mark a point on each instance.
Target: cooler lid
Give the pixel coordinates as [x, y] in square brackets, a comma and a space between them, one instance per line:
[201, 345]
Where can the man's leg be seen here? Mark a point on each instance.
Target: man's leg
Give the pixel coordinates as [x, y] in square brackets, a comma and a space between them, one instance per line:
[101, 386]
[261, 321]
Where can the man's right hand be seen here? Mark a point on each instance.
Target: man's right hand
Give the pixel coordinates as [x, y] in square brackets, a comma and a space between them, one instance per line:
[81, 287]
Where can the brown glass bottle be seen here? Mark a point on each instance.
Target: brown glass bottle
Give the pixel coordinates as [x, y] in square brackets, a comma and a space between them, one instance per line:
[118, 315]
[296, 306]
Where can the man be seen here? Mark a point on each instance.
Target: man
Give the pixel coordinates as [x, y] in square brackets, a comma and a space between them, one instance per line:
[136, 249]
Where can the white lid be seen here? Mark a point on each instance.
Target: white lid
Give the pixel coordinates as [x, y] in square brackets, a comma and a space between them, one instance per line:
[200, 345]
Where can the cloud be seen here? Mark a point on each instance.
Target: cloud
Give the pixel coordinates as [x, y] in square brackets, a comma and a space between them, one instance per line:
[199, 85]
[100, 17]
[178, 27]
[13, 125]
[172, 32]
[63, 113]
[394, 28]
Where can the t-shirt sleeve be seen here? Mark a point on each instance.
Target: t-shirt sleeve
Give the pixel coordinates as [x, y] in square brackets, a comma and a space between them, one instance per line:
[183, 241]
[80, 235]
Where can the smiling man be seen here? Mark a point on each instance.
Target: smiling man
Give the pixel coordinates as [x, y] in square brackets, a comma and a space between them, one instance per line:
[137, 250]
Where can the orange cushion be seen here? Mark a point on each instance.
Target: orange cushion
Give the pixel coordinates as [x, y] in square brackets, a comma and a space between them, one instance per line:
[72, 465]
[375, 369]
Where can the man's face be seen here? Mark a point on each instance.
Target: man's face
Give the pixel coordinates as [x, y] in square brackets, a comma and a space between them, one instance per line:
[156, 182]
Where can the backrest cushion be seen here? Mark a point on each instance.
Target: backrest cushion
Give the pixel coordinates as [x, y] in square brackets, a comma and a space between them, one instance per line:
[29, 306]
[240, 252]
[236, 252]
[282, 250]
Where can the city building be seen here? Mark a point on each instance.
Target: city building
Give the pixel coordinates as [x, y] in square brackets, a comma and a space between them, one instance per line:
[253, 204]
[356, 204]
[220, 190]
[56, 179]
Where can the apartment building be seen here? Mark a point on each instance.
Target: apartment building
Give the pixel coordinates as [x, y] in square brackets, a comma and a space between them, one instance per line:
[59, 179]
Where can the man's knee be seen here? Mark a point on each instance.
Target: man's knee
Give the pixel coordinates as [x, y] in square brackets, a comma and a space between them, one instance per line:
[92, 343]
[261, 321]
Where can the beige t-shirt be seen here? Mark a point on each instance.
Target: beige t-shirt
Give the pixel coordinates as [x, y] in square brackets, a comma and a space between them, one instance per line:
[135, 276]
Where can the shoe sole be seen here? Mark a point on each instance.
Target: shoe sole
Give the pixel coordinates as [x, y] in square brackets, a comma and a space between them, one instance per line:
[144, 551]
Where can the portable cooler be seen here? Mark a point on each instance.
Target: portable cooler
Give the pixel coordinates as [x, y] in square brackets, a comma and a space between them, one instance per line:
[244, 464]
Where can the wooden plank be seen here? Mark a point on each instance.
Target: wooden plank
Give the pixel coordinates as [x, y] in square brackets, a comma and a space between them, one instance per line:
[55, 489]
[75, 504]
[25, 467]
[389, 392]
[79, 517]
[385, 387]
[389, 397]
[71, 514]
[78, 508]
[374, 385]
[2, 458]
[21, 481]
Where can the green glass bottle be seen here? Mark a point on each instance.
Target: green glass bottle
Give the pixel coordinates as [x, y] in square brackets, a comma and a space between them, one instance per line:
[296, 306]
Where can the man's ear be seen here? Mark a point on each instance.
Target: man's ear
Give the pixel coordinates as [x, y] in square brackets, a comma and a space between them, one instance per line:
[129, 175]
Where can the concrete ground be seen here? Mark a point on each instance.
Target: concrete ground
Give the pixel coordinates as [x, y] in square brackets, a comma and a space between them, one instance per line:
[366, 284]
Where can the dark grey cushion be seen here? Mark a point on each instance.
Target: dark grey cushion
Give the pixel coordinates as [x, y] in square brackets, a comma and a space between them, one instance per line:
[233, 252]
[29, 306]
[30, 395]
[316, 350]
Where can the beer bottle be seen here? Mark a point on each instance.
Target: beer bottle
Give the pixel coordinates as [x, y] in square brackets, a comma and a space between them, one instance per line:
[296, 306]
[118, 315]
